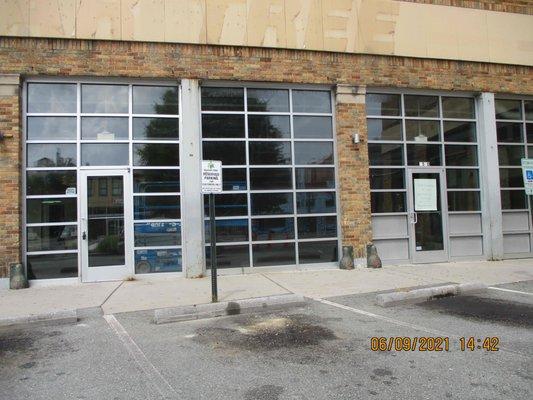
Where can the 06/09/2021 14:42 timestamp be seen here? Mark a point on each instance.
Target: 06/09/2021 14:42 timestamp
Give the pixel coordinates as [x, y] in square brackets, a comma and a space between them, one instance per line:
[438, 344]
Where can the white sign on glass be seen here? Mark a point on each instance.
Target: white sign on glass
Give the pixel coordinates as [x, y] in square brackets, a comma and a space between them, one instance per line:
[425, 194]
[527, 173]
[211, 176]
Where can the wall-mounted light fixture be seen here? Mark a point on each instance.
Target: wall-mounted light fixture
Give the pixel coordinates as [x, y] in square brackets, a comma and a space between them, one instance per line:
[356, 138]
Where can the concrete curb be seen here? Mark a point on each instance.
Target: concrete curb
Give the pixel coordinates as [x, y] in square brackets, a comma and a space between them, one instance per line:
[54, 317]
[426, 294]
[210, 310]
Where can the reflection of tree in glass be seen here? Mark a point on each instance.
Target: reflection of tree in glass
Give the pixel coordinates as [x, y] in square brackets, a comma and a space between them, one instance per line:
[272, 203]
[156, 154]
[49, 182]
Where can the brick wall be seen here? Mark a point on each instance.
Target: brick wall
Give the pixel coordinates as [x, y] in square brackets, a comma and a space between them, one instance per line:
[10, 152]
[512, 6]
[174, 61]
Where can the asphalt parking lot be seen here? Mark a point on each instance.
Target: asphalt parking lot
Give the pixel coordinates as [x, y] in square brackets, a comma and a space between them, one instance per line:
[321, 351]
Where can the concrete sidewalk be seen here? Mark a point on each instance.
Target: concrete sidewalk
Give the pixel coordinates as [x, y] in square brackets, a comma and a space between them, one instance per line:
[116, 297]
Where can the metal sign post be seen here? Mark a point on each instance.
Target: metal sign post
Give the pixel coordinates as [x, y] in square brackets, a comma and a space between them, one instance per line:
[211, 184]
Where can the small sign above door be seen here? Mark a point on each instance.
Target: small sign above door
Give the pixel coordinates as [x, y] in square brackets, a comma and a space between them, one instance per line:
[425, 194]
[211, 176]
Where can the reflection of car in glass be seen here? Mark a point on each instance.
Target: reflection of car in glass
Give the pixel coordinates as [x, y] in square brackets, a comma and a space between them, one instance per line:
[157, 261]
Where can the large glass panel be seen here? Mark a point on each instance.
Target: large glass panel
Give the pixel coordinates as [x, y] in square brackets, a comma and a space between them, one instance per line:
[156, 180]
[272, 203]
[272, 229]
[51, 155]
[385, 154]
[318, 252]
[104, 128]
[423, 153]
[51, 128]
[511, 177]
[155, 100]
[156, 128]
[51, 266]
[513, 200]
[108, 99]
[315, 178]
[270, 178]
[458, 107]
[157, 260]
[51, 98]
[528, 106]
[229, 256]
[508, 109]
[268, 126]
[228, 230]
[50, 182]
[463, 201]
[51, 210]
[510, 132]
[384, 129]
[222, 126]
[383, 104]
[529, 130]
[422, 131]
[156, 207]
[462, 178]
[421, 106]
[105, 227]
[228, 205]
[230, 153]
[458, 131]
[104, 154]
[316, 202]
[313, 153]
[461, 155]
[311, 101]
[306, 127]
[510, 155]
[385, 178]
[52, 238]
[387, 202]
[222, 99]
[273, 254]
[429, 234]
[234, 179]
[271, 100]
[157, 234]
[270, 153]
[156, 154]
[317, 227]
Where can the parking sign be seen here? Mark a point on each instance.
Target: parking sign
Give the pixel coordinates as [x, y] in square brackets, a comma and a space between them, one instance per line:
[527, 173]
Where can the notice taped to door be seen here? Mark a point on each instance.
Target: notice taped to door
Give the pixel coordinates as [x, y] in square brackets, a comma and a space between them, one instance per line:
[425, 194]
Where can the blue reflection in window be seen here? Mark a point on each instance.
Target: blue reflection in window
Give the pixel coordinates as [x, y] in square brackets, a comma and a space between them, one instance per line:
[157, 234]
[162, 260]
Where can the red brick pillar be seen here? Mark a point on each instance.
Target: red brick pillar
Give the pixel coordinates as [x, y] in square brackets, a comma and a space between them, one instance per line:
[10, 172]
[353, 168]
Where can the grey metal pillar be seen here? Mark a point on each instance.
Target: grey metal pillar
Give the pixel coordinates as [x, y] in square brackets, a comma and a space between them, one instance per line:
[490, 177]
[192, 213]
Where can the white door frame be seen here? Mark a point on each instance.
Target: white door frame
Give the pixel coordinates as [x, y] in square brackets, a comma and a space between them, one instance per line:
[428, 256]
[106, 273]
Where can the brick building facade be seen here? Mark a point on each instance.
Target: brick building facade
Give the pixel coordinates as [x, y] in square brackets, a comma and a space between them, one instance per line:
[350, 77]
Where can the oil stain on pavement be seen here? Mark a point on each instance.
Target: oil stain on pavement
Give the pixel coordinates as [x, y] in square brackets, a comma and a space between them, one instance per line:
[484, 309]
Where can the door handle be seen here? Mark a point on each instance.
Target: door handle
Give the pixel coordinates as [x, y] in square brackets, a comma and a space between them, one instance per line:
[414, 217]
[84, 235]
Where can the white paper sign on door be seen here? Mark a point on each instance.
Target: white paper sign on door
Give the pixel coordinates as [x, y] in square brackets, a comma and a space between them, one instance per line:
[211, 176]
[425, 194]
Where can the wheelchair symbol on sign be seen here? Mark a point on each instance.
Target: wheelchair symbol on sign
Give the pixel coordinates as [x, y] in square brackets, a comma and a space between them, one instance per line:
[529, 174]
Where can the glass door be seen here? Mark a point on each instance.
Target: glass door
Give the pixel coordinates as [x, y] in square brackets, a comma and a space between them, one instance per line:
[106, 227]
[428, 230]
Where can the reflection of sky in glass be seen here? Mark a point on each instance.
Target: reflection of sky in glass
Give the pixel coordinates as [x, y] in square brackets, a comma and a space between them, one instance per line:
[313, 153]
[51, 97]
[51, 155]
[146, 100]
[105, 128]
[104, 154]
[104, 99]
[313, 127]
[51, 128]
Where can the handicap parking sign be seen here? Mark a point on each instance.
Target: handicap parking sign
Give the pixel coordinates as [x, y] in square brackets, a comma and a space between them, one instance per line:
[527, 173]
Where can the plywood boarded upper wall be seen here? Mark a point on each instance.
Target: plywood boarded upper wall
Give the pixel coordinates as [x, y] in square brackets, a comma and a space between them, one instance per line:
[352, 26]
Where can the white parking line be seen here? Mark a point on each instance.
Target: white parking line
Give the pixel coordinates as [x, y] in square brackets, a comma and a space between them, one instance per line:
[405, 324]
[159, 383]
[510, 291]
